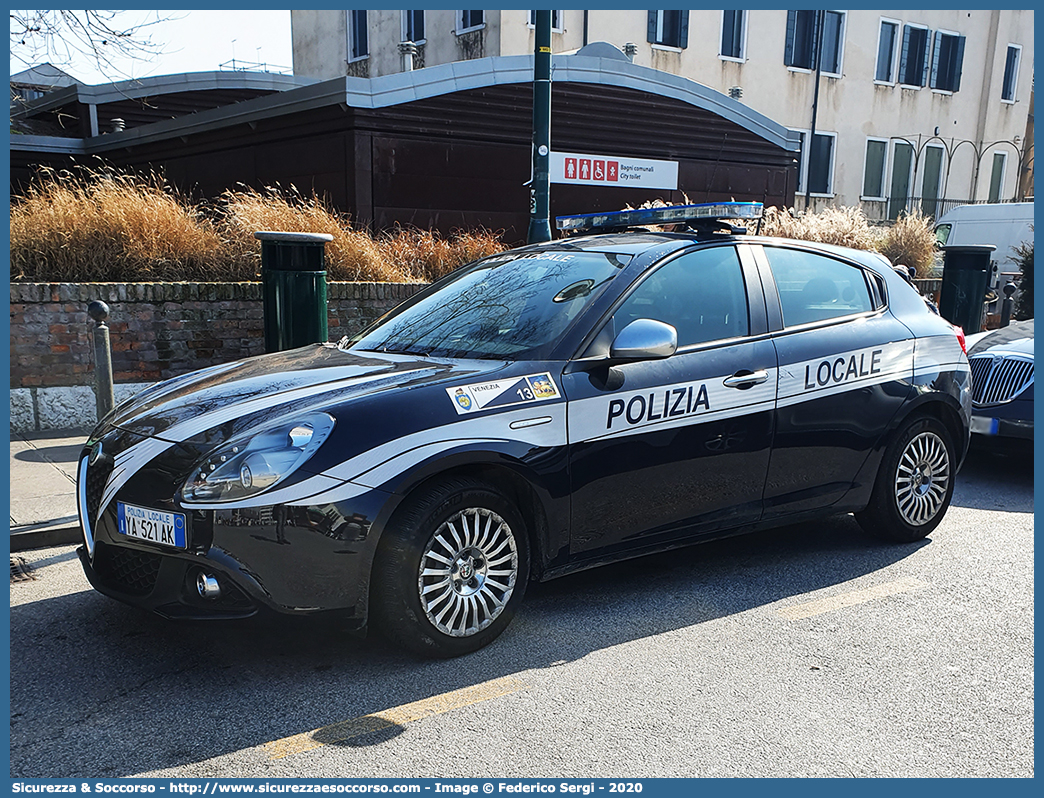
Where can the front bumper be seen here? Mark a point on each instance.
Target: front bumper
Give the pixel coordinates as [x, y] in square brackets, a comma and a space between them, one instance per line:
[162, 583]
[287, 560]
[1009, 420]
[1002, 427]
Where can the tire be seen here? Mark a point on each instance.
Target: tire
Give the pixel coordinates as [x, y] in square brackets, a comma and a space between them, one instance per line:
[451, 570]
[914, 483]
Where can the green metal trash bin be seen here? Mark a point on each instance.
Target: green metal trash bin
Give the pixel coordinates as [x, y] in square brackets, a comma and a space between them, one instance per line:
[293, 286]
[966, 272]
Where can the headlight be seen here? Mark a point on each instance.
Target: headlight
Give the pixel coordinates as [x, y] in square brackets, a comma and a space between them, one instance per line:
[248, 465]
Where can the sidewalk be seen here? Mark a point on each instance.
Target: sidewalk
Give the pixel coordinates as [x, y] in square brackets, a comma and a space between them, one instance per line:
[43, 488]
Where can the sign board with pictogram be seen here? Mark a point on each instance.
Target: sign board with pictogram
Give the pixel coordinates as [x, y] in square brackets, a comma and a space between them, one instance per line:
[607, 170]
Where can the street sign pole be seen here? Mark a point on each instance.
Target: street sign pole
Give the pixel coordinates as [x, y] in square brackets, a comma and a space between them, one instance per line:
[540, 202]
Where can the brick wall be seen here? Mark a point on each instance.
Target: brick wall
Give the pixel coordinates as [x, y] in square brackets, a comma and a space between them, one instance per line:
[160, 330]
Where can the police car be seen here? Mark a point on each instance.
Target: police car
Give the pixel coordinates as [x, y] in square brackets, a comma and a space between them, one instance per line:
[552, 408]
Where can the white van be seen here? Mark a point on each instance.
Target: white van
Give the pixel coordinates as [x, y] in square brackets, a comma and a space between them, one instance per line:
[1003, 224]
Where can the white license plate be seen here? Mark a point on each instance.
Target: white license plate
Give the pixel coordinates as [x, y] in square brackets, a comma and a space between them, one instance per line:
[984, 426]
[155, 526]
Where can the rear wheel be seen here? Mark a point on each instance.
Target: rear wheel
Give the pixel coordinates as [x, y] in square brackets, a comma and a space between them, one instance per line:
[914, 483]
[451, 570]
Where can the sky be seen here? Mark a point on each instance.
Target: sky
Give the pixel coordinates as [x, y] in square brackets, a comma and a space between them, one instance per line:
[195, 41]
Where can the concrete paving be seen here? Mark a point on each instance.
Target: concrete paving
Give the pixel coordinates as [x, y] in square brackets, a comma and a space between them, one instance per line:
[43, 488]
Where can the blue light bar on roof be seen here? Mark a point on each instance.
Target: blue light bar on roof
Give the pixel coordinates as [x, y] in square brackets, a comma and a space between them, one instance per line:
[669, 214]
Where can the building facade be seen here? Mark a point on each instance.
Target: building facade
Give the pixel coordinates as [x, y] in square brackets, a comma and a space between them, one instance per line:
[447, 147]
[914, 109]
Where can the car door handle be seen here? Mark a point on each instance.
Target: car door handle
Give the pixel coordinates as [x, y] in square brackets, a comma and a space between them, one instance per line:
[746, 379]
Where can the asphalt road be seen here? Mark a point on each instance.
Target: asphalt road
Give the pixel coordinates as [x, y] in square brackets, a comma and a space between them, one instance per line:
[804, 651]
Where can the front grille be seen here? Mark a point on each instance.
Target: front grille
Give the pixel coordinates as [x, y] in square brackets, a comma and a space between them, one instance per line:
[996, 380]
[97, 476]
[131, 571]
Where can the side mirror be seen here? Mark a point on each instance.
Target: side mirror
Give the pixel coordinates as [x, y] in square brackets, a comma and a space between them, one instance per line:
[644, 339]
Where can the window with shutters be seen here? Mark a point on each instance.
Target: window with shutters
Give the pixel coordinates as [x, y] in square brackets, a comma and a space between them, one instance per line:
[947, 60]
[733, 35]
[887, 51]
[358, 44]
[1000, 160]
[931, 179]
[413, 26]
[1011, 73]
[874, 169]
[801, 40]
[816, 165]
[556, 21]
[803, 46]
[470, 20]
[902, 178]
[669, 28]
[913, 56]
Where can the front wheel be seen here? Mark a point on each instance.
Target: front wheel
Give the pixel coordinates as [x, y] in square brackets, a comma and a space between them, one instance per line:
[914, 483]
[452, 570]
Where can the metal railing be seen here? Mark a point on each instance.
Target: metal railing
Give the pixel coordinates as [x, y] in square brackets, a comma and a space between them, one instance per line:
[892, 207]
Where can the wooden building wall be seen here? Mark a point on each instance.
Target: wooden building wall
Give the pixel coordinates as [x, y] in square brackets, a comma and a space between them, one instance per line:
[463, 159]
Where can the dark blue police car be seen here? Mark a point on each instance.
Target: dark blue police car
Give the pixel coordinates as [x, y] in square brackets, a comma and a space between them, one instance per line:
[537, 412]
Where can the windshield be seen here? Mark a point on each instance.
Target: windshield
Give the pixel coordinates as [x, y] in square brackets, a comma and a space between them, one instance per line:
[514, 306]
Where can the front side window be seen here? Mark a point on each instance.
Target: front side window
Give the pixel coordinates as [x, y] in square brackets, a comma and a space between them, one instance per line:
[814, 288]
[802, 48]
[734, 35]
[358, 46]
[1011, 73]
[669, 28]
[509, 306]
[947, 61]
[942, 234]
[701, 294]
[887, 40]
[413, 26]
[469, 20]
[913, 57]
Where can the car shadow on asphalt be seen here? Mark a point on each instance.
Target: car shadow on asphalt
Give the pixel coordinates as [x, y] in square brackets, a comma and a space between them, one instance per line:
[996, 475]
[66, 453]
[200, 690]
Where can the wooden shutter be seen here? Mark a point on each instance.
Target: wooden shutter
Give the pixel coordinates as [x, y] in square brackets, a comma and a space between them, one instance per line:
[924, 56]
[652, 27]
[904, 55]
[958, 63]
[788, 52]
[936, 50]
[683, 29]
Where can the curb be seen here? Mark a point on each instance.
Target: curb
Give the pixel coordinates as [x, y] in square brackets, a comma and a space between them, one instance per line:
[45, 538]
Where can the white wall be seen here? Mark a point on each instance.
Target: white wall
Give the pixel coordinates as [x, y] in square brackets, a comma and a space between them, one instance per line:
[320, 42]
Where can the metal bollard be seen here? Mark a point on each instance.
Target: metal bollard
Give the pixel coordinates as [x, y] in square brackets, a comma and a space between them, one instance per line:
[1006, 305]
[103, 393]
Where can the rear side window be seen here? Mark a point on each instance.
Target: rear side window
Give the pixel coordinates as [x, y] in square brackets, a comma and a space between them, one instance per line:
[814, 288]
[701, 294]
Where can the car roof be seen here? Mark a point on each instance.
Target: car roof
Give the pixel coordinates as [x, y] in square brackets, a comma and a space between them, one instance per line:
[639, 241]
